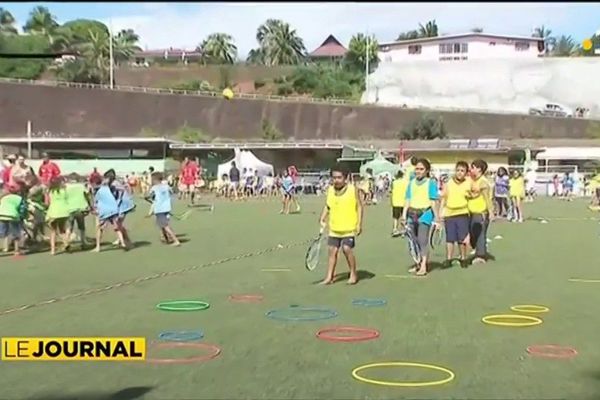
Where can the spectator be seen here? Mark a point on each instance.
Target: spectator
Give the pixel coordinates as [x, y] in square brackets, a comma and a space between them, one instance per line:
[48, 170]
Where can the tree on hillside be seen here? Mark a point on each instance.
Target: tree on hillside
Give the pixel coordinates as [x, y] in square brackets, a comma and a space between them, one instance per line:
[255, 57]
[565, 47]
[7, 23]
[125, 45]
[42, 22]
[280, 44]
[408, 35]
[546, 34]
[357, 52]
[430, 29]
[218, 48]
[81, 28]
[477, 30]
[23, 68]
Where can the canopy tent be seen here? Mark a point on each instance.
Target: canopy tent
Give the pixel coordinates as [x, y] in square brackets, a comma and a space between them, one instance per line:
[245, 159]
[380, 166]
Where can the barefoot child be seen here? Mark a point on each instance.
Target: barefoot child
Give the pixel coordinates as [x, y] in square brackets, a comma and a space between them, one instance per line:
[80, 203]
[58, 213]
[343, 213]
[398, 198]
[160, 195]
[481, 210]
[517, 193]
[456, 213]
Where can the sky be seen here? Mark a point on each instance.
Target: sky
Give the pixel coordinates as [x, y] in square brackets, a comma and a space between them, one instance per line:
[185, 25]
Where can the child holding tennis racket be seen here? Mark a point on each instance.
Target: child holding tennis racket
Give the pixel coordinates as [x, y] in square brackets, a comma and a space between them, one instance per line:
[456, 213]
[480, 206]
[343, 213]
[421, 211]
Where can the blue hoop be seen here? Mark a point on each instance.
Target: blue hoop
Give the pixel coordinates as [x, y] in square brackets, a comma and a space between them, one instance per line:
[180, 336]
[369, 302]
[325, 314]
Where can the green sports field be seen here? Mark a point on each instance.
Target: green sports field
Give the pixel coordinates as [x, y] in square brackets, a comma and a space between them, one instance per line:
[433, 320]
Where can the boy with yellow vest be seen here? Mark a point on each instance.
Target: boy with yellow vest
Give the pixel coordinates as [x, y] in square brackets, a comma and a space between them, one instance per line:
[399, 186]
[480, 206]
[11, 206]
[456, 213]
[343, 213]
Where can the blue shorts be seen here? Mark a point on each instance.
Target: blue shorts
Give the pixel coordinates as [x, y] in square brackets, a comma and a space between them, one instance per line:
[457, 228]
[10, 229]
[337, 242]
[162, 219]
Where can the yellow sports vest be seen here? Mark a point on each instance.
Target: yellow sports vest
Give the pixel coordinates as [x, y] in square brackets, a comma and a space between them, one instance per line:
[419, 194]
[399, 187]
[478, 204]
[516, 187]
[456, 198]
[343, 216]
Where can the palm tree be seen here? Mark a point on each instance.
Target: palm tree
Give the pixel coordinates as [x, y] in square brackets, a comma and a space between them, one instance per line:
[125, 45]
[546, 34]
[565, 47]
[357, 52]
[430, 29]
[408, 35]
[280, 44]
[256, 57]
[477, 29]
[218, 48]
[40, 21]
[7, 23]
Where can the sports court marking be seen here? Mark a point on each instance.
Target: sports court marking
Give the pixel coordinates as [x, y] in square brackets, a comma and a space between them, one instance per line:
[275, 270]
[584, 280]
[150, 277]
[401, 276]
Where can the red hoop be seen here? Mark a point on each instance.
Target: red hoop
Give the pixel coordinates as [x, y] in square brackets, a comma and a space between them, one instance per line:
[367, 334]
[551, 351]
[187, 360]
[246, 298]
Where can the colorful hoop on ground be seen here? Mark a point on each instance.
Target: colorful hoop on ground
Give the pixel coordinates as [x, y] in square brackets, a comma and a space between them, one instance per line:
[584, 280]
[367, 334]
[324, 314]
[181, 336]
[551, 351]
[216, 350]
[369, 302]
[527, 320]
[530, 308]
[403, 384]
[246, 298]
[183, 305]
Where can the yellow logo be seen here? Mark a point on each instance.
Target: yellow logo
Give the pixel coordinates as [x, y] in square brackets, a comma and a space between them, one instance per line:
[74, 349]
[587, 44]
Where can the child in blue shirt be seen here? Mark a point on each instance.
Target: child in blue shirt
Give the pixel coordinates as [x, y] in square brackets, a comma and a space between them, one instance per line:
[160, 195]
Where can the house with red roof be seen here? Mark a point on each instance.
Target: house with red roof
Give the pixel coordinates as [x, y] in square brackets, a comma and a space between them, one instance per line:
[330, 50]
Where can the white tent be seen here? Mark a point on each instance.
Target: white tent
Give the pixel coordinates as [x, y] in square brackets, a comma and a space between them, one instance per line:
[245, 159]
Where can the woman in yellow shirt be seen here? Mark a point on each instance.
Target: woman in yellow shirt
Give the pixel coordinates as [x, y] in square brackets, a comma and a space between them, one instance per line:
[456, 213]
[343, 213]
[480, 207]
[517, 194]
[398, 198]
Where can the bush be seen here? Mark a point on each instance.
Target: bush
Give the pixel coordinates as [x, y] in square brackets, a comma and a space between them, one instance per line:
[427, 128]
[23, 44]
[285, 89]
[258, 83]
[193, 85]
[269, 131]
[188, 134]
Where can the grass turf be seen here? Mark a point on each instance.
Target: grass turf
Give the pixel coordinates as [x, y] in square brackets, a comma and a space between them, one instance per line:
[434, 320]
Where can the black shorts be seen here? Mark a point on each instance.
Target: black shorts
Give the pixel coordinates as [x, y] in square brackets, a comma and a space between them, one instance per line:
[337, 242]
[598, 193]
[397, 212]
[59, 224]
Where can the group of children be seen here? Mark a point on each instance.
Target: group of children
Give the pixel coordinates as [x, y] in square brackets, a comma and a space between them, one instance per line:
[28, 208]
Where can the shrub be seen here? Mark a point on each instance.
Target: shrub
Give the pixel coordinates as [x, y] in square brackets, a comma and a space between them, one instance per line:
[188, 134]
[269, 131]
[285, 89]
[258, 83]
[193, 85]
[427, 128]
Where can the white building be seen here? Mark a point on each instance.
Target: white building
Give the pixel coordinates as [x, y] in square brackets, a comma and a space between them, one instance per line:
[467, 46]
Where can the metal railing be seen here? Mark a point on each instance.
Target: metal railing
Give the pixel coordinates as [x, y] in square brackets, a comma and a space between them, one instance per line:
[197, 93]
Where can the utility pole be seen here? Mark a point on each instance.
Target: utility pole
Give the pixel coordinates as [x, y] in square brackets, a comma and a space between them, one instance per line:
[367, 68]
[110, 53]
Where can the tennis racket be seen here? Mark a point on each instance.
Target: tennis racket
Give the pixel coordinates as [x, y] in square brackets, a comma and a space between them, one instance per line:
[436, 237]
[413, 245]
[313, 254]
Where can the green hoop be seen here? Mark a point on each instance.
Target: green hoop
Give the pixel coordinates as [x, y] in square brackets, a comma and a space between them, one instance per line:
[183, 305]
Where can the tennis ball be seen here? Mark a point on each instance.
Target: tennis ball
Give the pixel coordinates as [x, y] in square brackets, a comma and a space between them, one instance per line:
[587, 44]
[228, 93]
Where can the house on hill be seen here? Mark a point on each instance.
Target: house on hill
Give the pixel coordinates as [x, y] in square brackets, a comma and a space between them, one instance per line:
[331, 50]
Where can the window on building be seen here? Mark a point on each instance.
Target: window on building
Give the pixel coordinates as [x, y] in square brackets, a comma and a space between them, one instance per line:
[464, 47]
[522, 46]
[492, 43]
[457, 47]
[414, 49]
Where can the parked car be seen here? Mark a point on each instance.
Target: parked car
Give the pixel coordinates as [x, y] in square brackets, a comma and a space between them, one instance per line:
[552, 110]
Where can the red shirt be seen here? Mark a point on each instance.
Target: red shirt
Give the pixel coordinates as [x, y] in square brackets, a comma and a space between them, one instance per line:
[6, 174]
[95, 177]
[48, 171]
[189, 173]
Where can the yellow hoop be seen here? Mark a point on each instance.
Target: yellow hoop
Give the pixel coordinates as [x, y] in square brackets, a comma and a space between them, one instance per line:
[490, 320]
[584, 280]
[356, 370]
[530, 308]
